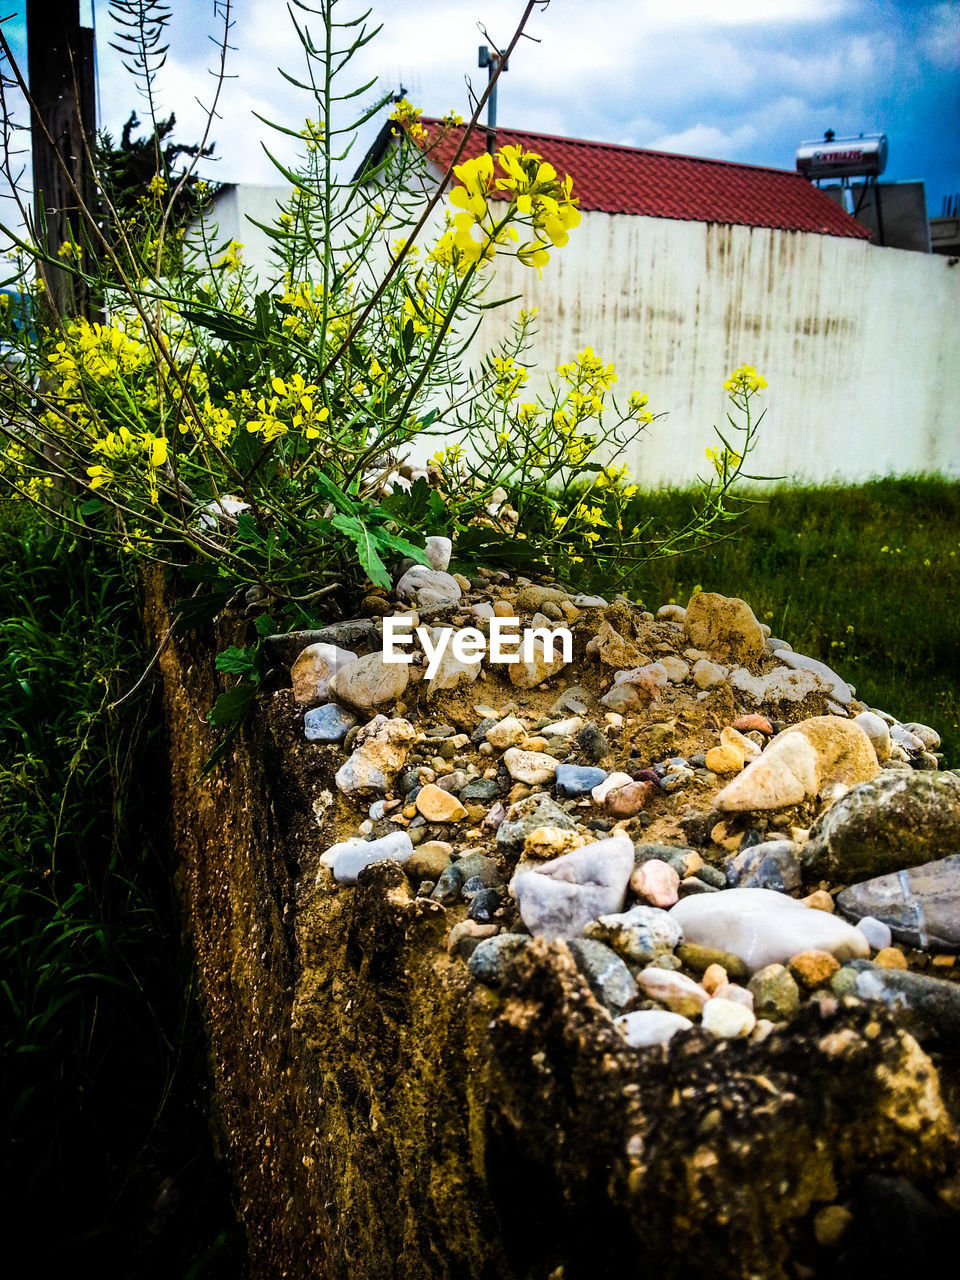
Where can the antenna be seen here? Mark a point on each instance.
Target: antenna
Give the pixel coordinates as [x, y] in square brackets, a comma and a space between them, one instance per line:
[492, 62]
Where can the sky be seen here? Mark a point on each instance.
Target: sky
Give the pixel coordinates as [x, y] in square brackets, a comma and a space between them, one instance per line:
[744, 80]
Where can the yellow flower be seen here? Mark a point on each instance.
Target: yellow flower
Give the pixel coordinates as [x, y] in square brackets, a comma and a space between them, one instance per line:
[157, 185]
[745, 381]
[99, 476]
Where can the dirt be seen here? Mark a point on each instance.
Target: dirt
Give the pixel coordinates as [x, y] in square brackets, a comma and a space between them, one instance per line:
[383, 1115]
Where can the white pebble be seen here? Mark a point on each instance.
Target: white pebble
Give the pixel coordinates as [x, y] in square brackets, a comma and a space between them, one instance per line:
[727, 1019]
[876, 932]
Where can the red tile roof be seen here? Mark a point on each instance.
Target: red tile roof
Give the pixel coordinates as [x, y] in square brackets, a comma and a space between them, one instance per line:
[656, 184]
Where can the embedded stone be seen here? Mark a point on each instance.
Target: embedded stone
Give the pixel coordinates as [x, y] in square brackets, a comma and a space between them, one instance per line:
[897, 820]
[628, 800]
[328, 723]
[840, 691]
[551, 842]
[780, 687]
[438, 805]
[540, 667]
[773, 864]
[675, 991]
[646, 1027]
[655, 882]
[573, 780]
[313, 669]
[764, 927]
[723, 626]
[380, 750]
[813, 968]
[507, 732]
[558, 899]
[531, 767]
[727, 1019]
[369, 682]
[348, 858]
[429, 589]
[877, 731]
[920, 906]
[525, 816]
[775, 993]
[640, 934]
[616, 651]
[607, 976]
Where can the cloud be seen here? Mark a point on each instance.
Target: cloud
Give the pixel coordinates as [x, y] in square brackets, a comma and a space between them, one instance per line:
[707, 140]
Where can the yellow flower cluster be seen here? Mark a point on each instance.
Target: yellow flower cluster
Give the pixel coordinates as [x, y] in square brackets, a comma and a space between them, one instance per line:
[294, 406]
[230, 259]
[745, 380]
[408, 117]
[538, 199]
[509, 375]
[724, 460]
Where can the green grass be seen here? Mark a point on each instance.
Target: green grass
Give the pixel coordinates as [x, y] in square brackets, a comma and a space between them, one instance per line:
[865, 577]
[99, 1051]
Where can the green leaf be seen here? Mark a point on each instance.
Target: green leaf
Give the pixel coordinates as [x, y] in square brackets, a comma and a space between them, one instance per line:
[265, 625]
[393, 542]
[333, 494]
[361, 537]
[233, 706]
[221, 325]
[237, 662]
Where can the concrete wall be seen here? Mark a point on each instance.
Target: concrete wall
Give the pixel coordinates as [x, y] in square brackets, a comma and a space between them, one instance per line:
[860, 345]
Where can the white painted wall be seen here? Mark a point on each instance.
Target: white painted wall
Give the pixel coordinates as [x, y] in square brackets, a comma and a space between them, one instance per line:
[860, 345]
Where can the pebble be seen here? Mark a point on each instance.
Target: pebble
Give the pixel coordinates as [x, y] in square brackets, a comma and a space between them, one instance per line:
[676, 991]
[560, 898]
[646, 1027]
[429, 589]
[564, 728]
[727, 1019]
[369, 682]
[701, 959]
[929, 737]
[775, 993]
[438, 805]
[714, 977]
[876, 932]
[753, 724]
[607, 976]
[493, 955]
[466, 936]
[531, 767]
[551, 842]
[380, 749]
[628, 800]
[479, 790]
[451, 671]
[525, 816]
[328, 723]
[677, 670]
[890, 958]
[484, 905]
[532, 598]
[428, 861]
[640, 934]
[831, 1224]
[813, 968]
[772, 864]
[616, 651]
[573, 781]
[611, 782]
[708, 675]
[820, 900]
[764, 927]
[655, 882]
[439, 551]
[507, 732]
[313, 669]
[782, 686]
[724, 759]
[877, 731]
[671, 613]
[348, 858]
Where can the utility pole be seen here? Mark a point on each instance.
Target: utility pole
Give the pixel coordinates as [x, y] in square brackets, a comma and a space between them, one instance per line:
[61, 75]
[492, 62]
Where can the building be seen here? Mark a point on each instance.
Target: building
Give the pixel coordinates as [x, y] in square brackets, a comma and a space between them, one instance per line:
[683, 268]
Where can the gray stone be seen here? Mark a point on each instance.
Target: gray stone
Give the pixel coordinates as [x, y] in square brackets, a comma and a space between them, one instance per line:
[431, 591]
[607, 976]
[525, 816]
[839, 689]
[878, 934]
[493, 955]
[479, 790]
[438, 551]
[930, 1006]
[574, 700]
[920, 905]
[577, 780]
[899, 819]
[763, 927]
[532, 598]
[348, 858]
[369, 683]
[640, 934]
[561, 897]
[646, 1027]
[775, 993]
[351, 634]
[593, 743]
[479, 866]
[329, 723]
[774, 864]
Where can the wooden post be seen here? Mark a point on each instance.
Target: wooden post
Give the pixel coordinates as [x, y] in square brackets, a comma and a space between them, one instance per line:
[60, 67]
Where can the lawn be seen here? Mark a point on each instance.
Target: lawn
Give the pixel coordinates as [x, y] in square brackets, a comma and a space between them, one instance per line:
[865, 577]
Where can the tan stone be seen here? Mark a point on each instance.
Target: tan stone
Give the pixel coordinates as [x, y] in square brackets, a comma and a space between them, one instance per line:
[616, 651]
[628, 800]
[551, 842]
[530, 767]
[724, 759]
[437, 805]
[714, 977]
[313, 669]
[813, 968]
[890, 958]
[723, 626]
[820, 900]
[369, 682]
